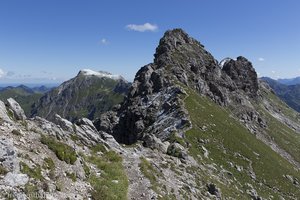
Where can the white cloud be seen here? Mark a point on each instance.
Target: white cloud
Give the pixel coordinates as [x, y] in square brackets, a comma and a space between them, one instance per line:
[2, 73]
[261, 59]
[104, 41]
[273, 72]
[143, 27]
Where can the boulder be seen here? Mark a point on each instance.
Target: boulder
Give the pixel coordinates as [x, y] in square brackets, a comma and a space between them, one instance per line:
[153, 142]
[3, 112]
[85, 122]
[15, 180]
[177, 150]
[8, 155]
[253, 194]
[214, 190]
[63, 123]
[14, 106]
[86, 130]
[107, 121]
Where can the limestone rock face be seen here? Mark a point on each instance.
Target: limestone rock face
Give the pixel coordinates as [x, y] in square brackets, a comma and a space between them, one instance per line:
[106, 121]
[15, 180]
[64, 124]
[8, 155]
[159, 113]
[3, 112]
[16, 108]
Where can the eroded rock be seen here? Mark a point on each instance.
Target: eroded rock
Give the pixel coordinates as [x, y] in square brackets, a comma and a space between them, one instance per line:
[14, 106]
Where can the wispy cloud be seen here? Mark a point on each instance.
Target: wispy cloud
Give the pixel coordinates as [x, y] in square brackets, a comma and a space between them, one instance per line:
[261, 59]
[142, 27]
[273, 72]
[2, 73]
[104, 41]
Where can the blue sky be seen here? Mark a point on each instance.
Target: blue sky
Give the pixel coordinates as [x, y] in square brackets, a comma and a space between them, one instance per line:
[50, 40]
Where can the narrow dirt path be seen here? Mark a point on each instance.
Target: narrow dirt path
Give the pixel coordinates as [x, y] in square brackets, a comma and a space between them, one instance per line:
[139, 186]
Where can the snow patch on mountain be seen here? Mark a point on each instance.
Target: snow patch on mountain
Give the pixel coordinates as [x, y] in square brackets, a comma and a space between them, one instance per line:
[89, 72]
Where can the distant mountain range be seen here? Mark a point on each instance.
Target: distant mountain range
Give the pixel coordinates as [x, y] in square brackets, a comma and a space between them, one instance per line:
[290, 81]
[25, 95]
[88, 95]
[286, 91]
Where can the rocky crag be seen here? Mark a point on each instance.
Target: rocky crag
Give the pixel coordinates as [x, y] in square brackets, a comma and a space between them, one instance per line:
[154, 105]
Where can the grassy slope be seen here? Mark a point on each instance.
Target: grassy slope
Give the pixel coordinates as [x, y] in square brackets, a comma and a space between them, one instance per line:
[285, 137]
[227, 140]
[110, 164]
[100, 96]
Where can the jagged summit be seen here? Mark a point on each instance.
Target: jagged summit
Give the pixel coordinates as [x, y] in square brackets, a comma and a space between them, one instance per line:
[173, 39]
[176, 37]
[180, 60]
[177, 40]
[89, 72]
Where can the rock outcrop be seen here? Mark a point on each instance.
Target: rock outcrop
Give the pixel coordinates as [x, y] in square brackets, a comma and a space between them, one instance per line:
[243, 74]
[4, 113]
[154, 102]
[14, 106]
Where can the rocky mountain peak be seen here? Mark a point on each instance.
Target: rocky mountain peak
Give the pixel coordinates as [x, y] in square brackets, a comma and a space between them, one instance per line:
[179, 61]
[171, 40]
